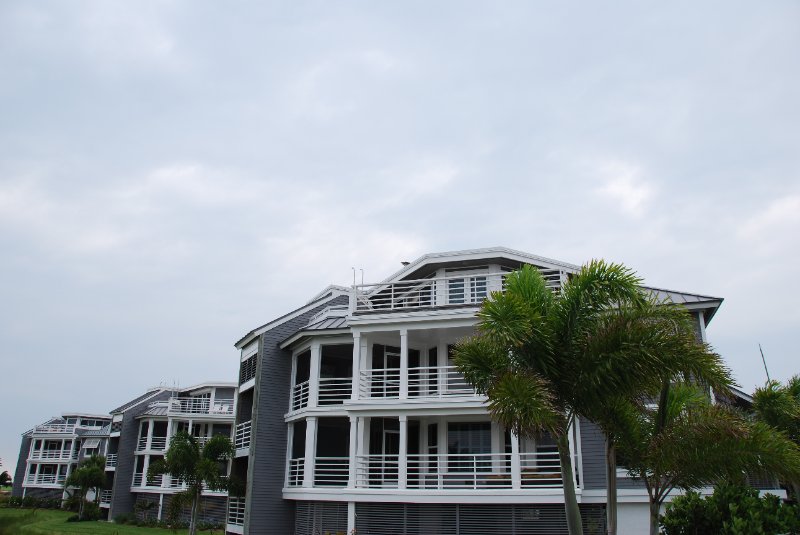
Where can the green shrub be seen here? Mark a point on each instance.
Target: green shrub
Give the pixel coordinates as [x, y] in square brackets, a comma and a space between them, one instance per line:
[125, 518]
[731, 510]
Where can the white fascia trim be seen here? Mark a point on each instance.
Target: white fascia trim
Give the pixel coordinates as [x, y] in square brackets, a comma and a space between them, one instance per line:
[479, 496]
[336, 291]
[90, 415]
[432, 319]
[480, 254]
[208, 385]
[320, 335]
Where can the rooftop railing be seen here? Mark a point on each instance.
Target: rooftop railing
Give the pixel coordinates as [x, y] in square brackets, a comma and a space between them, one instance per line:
[196, 405]
[467, 289]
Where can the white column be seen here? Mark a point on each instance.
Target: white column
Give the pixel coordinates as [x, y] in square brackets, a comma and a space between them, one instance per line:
[356, 366]
[441, 448]
[313, 378]
[150, 426]
[351, 517]
[160, 504]
[403, 363]
[145, 468]
[351, 479]
[441, 362]
[498, 460]
[311, 451]
[402, 458]
[293, 382]
[516, 468]
[289, 448]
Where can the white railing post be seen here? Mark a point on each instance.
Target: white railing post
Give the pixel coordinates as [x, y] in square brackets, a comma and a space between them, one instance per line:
[402, 457]
[313, 378]
[311, 451]
[149, 439]
[403, 363]
[516, 466]
[351, 476]
[356, 366]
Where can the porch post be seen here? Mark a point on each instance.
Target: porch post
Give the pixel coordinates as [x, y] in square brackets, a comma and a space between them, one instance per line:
[149, 442]
[402, 458]
[313, 377]
[351, 517]
[516, 467]
[403, 363]
[351, 479]
[356, 366]
[311, 451]
[289, 448]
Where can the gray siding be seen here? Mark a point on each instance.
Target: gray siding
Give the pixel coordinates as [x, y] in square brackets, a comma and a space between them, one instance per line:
[593, 455]
[266, 510]
[22, 463]
[122, 501]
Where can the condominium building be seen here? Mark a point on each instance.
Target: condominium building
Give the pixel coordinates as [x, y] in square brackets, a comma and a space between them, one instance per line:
[50, 451]
[130, 437]
[351, 416]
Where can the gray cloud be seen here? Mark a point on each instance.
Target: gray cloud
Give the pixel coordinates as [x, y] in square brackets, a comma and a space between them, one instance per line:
[175, 173]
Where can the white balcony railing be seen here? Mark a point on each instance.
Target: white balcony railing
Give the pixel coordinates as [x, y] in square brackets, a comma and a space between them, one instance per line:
[141, 480]
[460, 471]
[334, 390]
[296, 471]
[111, 460]
[60, 455]
[300, 396]
[190, 405]
[423, 382]
[60, 429]
[46, 479]
[242, 436]
[105, 497]
[331, 471]
[158, 443]
[382, 383]
[236, 511]
[468, 289]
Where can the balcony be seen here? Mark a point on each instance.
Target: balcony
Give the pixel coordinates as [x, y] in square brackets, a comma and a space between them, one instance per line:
[105, 498]
[45, 479]
[53, 455]
[423, 382]
[461, 471]
[242, 436]
[111, 461]
[200, 406]
[458, 290]
[294, 476]
[236, 508]
[156, 444]
[141, 480]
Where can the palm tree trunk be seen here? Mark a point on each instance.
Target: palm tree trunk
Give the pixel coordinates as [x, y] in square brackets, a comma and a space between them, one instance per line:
[193, 519]
[574, 524]
[611, 487]
[80, 506]
[655, 508]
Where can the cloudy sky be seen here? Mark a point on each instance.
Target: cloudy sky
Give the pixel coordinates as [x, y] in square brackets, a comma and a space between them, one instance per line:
[173, 174]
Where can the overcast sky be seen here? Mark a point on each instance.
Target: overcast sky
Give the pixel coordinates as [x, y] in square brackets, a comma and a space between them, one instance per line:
[173, 174]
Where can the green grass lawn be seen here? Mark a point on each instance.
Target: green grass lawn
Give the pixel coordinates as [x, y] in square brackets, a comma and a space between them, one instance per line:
[52, 522]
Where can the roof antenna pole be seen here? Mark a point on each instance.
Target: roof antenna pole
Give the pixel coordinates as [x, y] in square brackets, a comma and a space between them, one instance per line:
[764, 361]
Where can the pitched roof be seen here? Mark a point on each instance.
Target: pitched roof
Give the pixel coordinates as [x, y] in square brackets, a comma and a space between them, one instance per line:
[132, 403]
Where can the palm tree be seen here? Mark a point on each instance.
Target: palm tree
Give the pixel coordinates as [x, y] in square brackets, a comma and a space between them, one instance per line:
[199, 466]
[778, 405]
[688, 442]
[544, 358]
[90, 474]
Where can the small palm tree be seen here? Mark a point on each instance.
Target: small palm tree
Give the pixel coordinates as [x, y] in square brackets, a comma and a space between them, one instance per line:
[778, 405]
[688, 442]
[90, 474]
[199, 466]
[544, 358]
